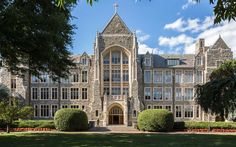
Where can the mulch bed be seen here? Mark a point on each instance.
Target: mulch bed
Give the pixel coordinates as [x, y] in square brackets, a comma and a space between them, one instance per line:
[186, 130]
[27, 129]
[207, 130]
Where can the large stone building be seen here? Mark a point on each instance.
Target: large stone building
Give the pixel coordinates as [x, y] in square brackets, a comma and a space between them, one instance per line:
[116, 83]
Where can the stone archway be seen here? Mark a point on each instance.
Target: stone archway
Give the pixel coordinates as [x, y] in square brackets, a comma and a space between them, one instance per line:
[116, 116]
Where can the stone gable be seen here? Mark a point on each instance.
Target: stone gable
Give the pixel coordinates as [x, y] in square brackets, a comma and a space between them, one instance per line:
[116, 26]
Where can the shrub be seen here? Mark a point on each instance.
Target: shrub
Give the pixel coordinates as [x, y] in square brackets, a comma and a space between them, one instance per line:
[71, 120]
[155, 120]
[34, 124]
[204, 125]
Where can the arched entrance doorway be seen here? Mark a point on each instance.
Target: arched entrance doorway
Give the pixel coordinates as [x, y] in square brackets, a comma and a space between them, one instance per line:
[116, 116]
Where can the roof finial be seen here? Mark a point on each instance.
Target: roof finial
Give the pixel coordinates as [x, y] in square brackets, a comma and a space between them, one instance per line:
[116, 7]
[219, 36]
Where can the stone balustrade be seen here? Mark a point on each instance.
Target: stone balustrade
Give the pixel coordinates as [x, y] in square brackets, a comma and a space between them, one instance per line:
[115, 97]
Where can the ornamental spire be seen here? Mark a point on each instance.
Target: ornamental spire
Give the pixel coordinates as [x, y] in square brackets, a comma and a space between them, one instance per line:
[116, 7]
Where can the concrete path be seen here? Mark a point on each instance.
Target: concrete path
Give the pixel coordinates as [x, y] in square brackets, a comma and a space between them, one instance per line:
[131, 130]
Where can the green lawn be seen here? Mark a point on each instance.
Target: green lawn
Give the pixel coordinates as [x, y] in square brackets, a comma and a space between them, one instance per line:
[121, 140]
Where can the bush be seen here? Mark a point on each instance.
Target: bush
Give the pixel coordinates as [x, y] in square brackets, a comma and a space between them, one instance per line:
[155, 120]
[71, 120]
[204, 125]
[30, 124]
[34, 124]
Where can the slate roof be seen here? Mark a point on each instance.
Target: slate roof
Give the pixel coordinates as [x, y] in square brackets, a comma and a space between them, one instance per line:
[77, 58]
[160, 61]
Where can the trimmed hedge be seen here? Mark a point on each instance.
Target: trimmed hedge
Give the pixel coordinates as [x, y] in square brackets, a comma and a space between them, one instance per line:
[155, 120]
[31, 124]
[204, 125]
[35, 124]
[71, 120]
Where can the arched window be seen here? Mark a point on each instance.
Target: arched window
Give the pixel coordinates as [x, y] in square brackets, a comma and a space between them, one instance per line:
[125, 59]
[115, 57]
[116, 111]
[106, 59]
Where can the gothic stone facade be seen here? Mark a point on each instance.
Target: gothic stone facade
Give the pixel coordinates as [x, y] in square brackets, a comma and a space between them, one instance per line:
[116, 83]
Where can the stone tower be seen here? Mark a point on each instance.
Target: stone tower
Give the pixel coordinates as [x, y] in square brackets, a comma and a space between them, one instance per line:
[116, 91]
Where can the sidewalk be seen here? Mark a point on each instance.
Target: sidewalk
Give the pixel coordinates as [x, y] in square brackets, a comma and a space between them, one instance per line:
[131, 130]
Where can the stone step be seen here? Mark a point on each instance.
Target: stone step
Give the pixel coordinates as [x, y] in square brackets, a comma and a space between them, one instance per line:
[114, 128]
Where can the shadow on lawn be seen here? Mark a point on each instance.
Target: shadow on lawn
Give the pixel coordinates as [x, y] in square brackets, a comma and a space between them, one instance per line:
[76, 139]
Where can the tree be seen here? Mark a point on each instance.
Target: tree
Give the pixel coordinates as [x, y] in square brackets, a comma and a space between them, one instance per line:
[13, 110]
[35, 36]
[223, 9]
[218, 96]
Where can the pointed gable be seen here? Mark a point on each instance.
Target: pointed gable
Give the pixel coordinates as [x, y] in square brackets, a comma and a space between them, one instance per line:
[85, 54]
[116, 26]
[220, 43]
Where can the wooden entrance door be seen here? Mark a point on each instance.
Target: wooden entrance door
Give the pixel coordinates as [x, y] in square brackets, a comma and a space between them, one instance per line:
[116, 116]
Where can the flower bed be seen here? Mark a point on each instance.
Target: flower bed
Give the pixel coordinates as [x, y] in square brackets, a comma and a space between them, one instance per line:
[213, 130]
[29, 125]
[191, 126]
[30, 129]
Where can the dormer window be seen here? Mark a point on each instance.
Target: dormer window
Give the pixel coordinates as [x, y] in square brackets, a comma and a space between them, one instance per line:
[148, 61]
[84, 61]
[173, 62]
[199, 61]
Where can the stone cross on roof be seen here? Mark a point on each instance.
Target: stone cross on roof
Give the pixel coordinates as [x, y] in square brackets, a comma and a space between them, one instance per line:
[116, 7]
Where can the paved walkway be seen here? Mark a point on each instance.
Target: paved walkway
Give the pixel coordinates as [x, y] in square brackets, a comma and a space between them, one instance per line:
[131, 130]
[127, 130]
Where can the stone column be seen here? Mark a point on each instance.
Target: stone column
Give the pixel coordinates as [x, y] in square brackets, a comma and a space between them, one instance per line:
[105, 118]
[126, 111]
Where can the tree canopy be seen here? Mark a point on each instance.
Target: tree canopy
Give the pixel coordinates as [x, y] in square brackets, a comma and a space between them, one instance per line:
[35, 36]
[223, 9]
[218, 96]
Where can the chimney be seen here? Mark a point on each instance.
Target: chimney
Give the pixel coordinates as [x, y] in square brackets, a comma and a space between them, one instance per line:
[200, 44]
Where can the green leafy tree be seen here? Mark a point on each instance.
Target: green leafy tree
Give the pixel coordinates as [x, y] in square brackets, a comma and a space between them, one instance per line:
[218, 96]
[223, 9]
[35, 36]
[13, 110]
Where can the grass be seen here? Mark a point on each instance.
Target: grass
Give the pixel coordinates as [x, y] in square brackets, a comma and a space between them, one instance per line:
[119, 140]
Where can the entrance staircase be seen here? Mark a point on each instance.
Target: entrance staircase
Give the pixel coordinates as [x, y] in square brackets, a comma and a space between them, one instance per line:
[114, 129]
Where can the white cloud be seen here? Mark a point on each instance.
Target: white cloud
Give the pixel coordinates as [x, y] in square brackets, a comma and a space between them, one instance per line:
[188, 4]
[144, 48]
[181, 39]
[227, 32]
[177, 25]
[142, 36]
[193, 25]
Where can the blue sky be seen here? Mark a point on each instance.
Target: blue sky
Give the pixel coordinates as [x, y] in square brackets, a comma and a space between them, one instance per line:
[162, 26]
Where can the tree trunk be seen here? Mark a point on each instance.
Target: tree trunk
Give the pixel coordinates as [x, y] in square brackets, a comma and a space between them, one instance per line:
[8, 128]
[222, 118]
